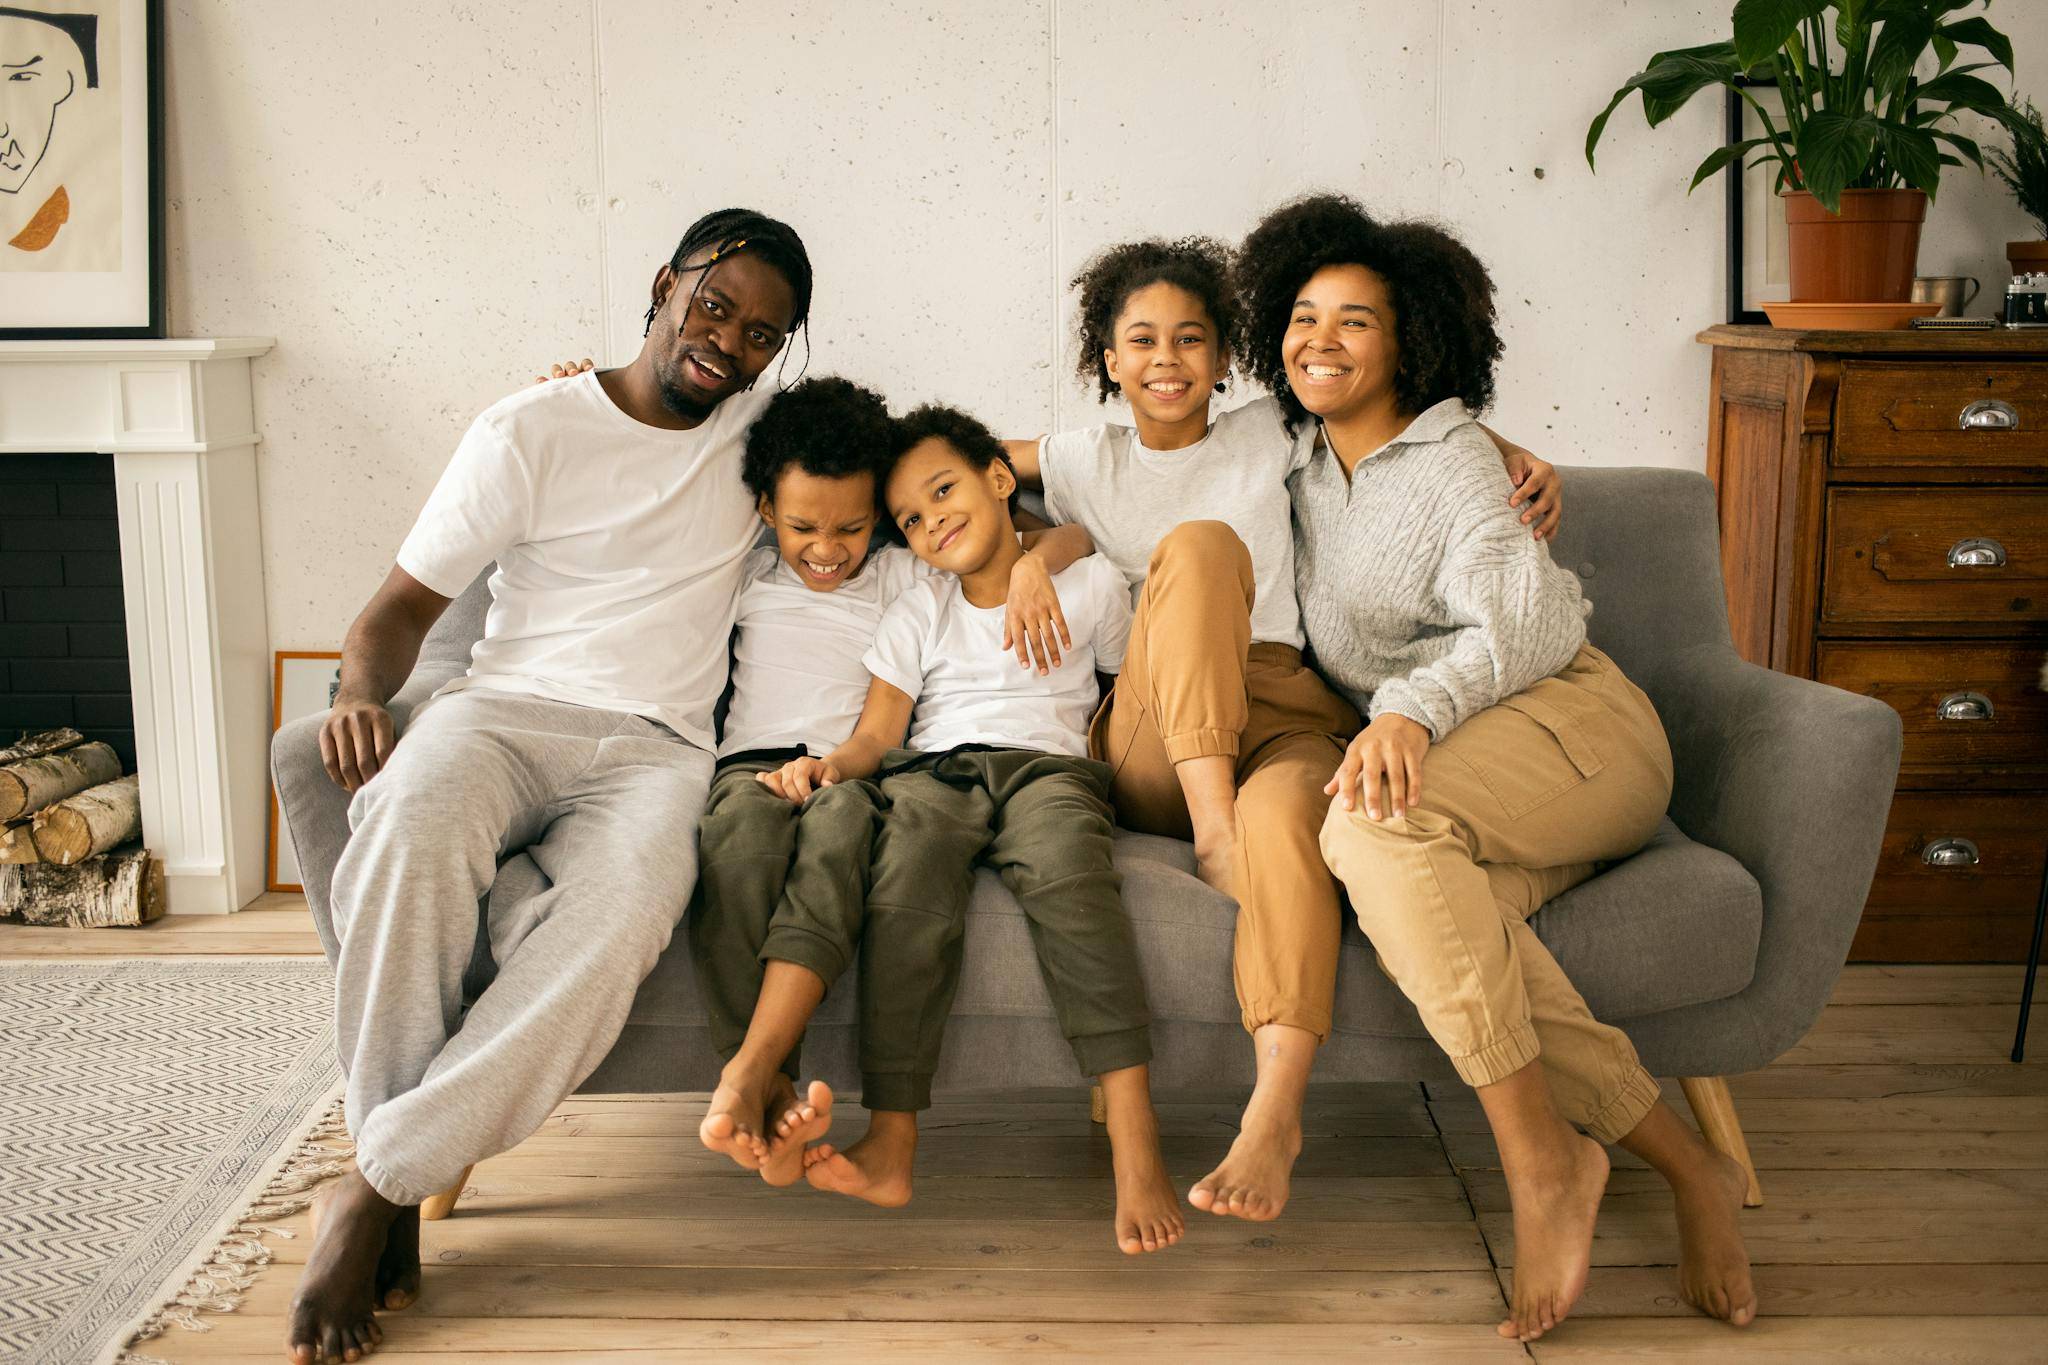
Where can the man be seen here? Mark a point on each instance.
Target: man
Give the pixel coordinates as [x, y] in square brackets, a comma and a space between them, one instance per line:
[613, 508]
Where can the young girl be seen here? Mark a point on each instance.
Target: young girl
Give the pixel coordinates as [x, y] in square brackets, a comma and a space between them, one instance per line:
[996, 770]
[1216, 730]
[1504, 755]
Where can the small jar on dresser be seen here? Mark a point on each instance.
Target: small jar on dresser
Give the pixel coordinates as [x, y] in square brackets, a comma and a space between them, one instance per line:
[1884, 528]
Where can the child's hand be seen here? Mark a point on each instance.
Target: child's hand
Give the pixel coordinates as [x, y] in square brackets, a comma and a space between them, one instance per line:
[1033, 623]
[1537, 483]
[1389, 751]
[795, 780]
[568, 369]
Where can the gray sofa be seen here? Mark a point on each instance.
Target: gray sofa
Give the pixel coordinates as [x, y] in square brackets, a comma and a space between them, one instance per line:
[1715, 947]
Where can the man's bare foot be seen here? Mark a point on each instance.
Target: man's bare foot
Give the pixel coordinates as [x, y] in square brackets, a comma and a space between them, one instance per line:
[737, 1122]
[1713, 1266]
[876, 1168]
[1554, 1217]
[796, 1124]
[1147, 1209]
[1253, 1179]
[333, 1315]
[398, 1265]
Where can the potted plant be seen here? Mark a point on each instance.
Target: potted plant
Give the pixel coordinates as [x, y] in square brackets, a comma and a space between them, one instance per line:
[2024, 169]
[1862, 138]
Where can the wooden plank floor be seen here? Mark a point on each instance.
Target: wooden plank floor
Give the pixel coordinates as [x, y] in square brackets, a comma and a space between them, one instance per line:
[1904, 1160]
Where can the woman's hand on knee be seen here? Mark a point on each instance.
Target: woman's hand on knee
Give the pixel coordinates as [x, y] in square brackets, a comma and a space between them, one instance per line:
[1387, 753]
[795, 780]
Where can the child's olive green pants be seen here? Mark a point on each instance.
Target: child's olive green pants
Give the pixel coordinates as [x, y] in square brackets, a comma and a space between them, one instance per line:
[1042, 821]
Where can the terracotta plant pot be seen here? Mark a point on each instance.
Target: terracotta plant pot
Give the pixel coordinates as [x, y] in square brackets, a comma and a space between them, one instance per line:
[1864, 254]
[2027, 258]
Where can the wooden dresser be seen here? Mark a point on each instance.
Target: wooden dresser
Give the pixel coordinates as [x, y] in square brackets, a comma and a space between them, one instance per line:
[1884, 528]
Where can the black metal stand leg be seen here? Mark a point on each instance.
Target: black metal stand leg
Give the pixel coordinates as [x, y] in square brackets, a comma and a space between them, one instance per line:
[2019, 1037]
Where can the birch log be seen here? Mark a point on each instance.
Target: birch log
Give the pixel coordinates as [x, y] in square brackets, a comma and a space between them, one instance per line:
[16, 846]
[117, 889]
[33, 783]
[91, 822]
[35, 746]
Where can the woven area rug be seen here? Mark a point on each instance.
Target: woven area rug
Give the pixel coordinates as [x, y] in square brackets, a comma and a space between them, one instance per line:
[144, 1108]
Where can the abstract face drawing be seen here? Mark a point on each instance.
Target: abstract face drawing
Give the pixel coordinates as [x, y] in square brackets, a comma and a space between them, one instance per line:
[44, 59]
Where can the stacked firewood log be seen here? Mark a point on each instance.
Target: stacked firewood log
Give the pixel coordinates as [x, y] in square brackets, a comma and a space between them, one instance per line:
[70, 831]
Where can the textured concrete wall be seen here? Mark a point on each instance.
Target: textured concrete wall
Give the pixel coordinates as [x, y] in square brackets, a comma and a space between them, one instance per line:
[424, 202]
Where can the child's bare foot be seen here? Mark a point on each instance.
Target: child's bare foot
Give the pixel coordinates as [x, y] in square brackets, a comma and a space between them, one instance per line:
[797, 1123]
[1147, 1209]
[1253, 1180]
[876, 1168]
[333, 1315]
[1554, 1217]
[1713, 1266]
[398, 1265]
[736, 1124]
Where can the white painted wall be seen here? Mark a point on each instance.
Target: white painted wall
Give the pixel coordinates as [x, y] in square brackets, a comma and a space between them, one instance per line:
[423, 202]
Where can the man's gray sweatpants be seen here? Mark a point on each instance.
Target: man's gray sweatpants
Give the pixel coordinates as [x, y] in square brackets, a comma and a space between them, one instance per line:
[606, 805]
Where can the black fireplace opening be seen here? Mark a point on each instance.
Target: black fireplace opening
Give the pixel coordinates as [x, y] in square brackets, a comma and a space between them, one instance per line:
[63, 640]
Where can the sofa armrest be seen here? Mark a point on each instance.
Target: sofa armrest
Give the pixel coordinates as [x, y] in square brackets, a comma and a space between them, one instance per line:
[1793, 779]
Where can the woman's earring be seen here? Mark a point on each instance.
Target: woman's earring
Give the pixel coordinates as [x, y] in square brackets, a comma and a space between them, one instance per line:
[1219, 386]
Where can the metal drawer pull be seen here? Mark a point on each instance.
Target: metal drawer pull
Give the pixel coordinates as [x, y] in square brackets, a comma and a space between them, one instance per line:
[1952, 852]
[1965, 706]
[1978, 552]
[1989, 414]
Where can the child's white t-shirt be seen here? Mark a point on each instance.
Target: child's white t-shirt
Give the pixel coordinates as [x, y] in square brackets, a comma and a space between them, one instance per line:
[938, 647]
[1128, 497]
[797, 673]
[618, 547]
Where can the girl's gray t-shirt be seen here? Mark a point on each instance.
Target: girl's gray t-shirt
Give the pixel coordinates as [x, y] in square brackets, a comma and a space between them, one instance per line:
[1129, 497]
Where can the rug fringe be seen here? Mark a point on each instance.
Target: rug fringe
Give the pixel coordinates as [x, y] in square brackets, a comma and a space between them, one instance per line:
[219, 1285]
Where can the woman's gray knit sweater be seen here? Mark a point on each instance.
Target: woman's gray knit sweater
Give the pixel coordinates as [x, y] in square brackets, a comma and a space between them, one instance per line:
[1421, 591]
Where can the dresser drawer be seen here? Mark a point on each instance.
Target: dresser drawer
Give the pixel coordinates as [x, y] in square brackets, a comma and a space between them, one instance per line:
[1965, 707]
[1966, 412]
[1966, 555]
[1949, 852]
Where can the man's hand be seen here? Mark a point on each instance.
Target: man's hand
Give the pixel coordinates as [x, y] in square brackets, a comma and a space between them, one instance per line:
[795, 780]
[1538, 484]
[1389, 751]
[568, 369]
[1033, 623]
[355, 742]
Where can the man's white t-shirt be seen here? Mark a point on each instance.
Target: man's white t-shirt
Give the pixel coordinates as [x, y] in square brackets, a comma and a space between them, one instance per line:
[1129, 497]
[797, 674]
[618, 546]
[936, 646]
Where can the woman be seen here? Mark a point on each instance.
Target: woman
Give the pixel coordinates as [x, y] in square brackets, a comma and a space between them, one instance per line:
[1502, 756]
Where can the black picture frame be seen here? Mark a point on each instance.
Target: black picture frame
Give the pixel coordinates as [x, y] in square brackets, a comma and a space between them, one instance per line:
[1733, 134]
[157, 255]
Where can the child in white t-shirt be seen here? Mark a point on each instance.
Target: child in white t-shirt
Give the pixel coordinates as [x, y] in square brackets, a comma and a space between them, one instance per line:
[783, 885]
[996, 771]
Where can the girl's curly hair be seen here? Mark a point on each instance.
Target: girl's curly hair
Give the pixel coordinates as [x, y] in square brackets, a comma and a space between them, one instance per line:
[1200, 265]
[1444, 322]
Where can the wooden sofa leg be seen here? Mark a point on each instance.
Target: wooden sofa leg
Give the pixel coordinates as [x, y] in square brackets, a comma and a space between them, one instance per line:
[1098, 1108]
[434, 1209]
[1714, 1108]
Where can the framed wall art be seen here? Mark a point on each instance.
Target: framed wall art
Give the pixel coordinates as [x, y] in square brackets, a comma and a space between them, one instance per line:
[81, 169]
[1759, 259]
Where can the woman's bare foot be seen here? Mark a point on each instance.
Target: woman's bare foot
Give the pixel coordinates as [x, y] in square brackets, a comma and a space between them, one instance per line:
[796, 1124]
[398, 1265]
[1713, 1265]
[1555, 1211]
[333, 1315]
[1252, 1182]
[737, 1122]
[1147, 1209]
[877, 1168]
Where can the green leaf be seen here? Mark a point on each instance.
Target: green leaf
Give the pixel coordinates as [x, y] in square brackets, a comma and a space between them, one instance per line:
[1833, 150]
[1966, 146]
[1959, 89]
[1721, 156]
[1912, 154]
[1899, 45]
[1976, 31]
[1762, 26]
[1945, 50]
[1667, 83]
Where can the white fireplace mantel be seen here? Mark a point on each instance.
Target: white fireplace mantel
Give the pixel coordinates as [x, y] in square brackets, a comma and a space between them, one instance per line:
[176, 416]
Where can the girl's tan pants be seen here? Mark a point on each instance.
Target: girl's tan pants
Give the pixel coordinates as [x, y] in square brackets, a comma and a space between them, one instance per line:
[1518, 804]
